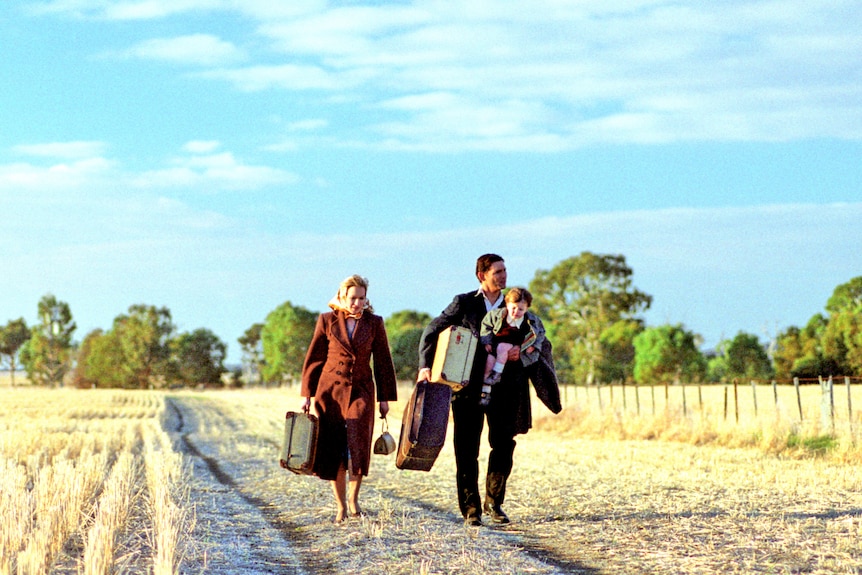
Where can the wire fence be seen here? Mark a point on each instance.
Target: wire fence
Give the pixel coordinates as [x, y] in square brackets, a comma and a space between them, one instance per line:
[832, 404]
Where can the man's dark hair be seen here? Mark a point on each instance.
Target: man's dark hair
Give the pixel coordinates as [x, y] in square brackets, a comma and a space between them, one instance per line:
[485, 262]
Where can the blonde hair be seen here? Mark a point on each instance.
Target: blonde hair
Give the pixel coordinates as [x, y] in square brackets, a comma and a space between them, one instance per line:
[355, 281]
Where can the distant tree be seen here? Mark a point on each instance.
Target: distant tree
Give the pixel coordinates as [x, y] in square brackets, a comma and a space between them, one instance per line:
[668, 353]
[144, 336]
[747, 358]
[618, 350]
[101, 363]
[12, 338]
[47, 355]
[843, 334]
[406, 320]
[286, 334]
[251, 345]
[404, 330]
[578, 300]
[199, 357]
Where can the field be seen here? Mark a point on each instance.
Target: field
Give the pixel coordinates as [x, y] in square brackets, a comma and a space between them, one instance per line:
[188, 482]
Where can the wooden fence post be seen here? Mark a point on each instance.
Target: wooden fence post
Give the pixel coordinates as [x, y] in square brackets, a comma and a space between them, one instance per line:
[827, 415]
[684, 402]
[798, 397]
[725, 401]
[754, 395]
[775, 396]
[652, 391]
[849, 411]
[638, 397]
[623, 391]
[736, 398]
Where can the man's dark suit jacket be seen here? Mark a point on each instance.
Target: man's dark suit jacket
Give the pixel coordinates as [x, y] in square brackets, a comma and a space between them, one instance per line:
[468, 310]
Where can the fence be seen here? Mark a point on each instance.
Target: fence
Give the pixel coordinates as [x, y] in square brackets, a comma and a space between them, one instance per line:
[824, 402]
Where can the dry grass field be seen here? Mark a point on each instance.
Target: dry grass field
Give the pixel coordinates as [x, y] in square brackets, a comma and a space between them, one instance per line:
[188, 482]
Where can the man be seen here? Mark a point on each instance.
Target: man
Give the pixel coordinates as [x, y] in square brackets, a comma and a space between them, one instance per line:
[508, 412]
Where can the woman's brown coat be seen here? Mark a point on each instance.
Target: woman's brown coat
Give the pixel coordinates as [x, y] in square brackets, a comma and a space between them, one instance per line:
[337, 374]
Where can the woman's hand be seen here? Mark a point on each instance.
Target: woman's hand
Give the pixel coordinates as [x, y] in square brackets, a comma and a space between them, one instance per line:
[514, 353]
[384, 408]
[424, 374]
[306, 406]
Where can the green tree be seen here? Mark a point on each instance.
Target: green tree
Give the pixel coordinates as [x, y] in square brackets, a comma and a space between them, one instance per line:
[668, 353]
[842, 338]
[199, 357]
[404, 330]
[12, 338]
[100, 362]
[406, 320]
[286, 334]
[251, 345]
[618, 350]
[144, 336]
[747, 358]
[579, 299]
[47, 355]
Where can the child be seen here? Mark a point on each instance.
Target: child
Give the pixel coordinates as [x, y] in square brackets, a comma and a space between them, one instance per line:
[504, 328]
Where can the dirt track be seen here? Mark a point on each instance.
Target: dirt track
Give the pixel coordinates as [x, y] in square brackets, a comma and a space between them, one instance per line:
[578, 506]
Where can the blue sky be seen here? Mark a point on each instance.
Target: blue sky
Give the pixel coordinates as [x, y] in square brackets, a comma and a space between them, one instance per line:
[221, 157]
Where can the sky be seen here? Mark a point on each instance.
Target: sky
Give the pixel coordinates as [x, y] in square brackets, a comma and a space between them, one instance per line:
[222, 157]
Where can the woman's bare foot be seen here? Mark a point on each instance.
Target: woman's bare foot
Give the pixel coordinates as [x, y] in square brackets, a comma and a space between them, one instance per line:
[355, 511]
[341, 515]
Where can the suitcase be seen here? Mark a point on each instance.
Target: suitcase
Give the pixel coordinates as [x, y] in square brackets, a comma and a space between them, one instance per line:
[300, 442]
[423, 427]
[453, 359]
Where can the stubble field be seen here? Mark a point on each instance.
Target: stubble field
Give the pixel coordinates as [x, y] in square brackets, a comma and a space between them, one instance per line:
[584, 497]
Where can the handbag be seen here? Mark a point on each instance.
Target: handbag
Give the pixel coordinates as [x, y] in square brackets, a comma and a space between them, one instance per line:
[385, 444]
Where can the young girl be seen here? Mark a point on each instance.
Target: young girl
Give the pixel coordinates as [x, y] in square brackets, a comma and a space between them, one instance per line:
[504, 328]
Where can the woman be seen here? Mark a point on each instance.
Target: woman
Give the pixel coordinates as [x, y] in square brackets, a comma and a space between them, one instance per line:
[337, 374]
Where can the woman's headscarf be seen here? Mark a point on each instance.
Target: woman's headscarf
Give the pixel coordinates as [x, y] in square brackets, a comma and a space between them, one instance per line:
[349, 282]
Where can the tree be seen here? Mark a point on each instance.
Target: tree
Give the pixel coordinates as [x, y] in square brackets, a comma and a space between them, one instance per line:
[668, 353]
[199, 357]
[842, 338]
[251, 345]
[100, 362]
[404, 330]
[747, 358]
[144, 337]
[578, 300]
[618, 350]
[286, 334]
[12, 337]
[47, 355]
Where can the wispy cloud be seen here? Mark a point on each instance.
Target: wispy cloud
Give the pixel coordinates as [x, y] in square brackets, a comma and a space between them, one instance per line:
[197, 49]
[561, 77]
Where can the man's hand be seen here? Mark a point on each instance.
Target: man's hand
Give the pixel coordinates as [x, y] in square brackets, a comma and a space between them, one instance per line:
[514, 353]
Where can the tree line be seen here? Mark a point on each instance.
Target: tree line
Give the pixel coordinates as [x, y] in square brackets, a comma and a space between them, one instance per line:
[590, 307]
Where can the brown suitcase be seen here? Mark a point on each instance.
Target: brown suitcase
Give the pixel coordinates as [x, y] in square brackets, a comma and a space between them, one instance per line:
[300, 442]
[423, 427]
[453, 359]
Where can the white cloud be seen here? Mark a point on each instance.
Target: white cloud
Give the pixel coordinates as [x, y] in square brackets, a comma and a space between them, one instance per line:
[201, 146]
[197, 49]
[65, 150]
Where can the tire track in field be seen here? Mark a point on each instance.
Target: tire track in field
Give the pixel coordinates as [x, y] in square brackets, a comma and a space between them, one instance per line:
[240, 533]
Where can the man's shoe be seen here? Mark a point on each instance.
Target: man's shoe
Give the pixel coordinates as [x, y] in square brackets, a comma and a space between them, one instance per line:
[472, 521]
[497, 514]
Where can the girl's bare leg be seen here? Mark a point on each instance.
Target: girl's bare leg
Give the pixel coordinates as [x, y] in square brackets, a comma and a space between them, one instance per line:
[353, 495]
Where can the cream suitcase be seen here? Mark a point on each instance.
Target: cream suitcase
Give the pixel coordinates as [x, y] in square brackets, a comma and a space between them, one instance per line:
[453, 360]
